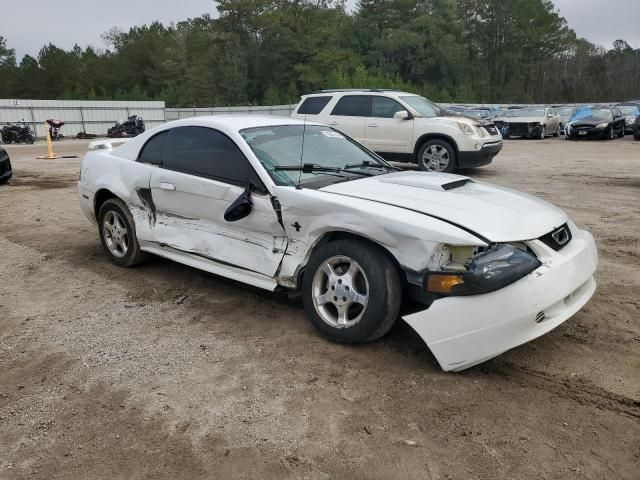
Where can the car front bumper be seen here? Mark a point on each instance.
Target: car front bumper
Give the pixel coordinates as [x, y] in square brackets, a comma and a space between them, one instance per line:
[464, 331]
[480, 157]
[586, 134]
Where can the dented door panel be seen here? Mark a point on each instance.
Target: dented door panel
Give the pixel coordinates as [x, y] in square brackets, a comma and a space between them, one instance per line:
[189, 216]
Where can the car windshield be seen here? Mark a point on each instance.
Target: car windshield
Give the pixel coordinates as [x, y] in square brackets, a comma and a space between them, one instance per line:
[279, 147]
[628, 109]
[565, 112]
[601, 114]
[424, 107]
[477, 113]
[529, 112]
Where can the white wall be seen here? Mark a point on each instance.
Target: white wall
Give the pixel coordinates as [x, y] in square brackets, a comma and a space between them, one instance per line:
[94, 117]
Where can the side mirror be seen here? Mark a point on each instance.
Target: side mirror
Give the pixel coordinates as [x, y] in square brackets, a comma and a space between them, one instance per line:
[402, 115]
[241, 207]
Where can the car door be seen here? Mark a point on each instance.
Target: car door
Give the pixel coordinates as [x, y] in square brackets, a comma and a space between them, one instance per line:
[350, 115]
[554, 121]
[384, 133]
[619, 120]
[203, 173]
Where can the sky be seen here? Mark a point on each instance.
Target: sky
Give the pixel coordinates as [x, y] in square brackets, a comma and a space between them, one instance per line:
[65, 23]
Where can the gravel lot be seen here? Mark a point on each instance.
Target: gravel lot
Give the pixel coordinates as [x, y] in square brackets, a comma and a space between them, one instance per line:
[166, 372]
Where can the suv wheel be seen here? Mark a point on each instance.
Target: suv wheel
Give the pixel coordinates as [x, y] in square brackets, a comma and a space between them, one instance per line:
[118, 234]
[437, 156]
[351, 291]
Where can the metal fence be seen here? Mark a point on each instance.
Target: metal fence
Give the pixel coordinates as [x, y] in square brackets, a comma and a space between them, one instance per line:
[94, 117]
[277, 110]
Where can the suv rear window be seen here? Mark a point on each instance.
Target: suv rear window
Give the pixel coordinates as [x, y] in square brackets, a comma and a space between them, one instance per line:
[313, 105]
[353, 106]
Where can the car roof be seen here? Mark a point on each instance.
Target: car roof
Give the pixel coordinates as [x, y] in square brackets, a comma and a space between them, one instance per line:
[236, 122]
[228, 124]
[364, 91]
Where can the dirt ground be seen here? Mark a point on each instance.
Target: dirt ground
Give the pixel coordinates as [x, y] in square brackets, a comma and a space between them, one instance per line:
[163, 371]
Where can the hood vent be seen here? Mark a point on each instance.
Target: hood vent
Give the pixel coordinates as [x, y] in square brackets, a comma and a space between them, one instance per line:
[456, 184]
[440, 182]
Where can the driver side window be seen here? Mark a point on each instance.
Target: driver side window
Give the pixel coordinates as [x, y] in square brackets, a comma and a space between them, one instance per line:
[207, 153]
[383, 107]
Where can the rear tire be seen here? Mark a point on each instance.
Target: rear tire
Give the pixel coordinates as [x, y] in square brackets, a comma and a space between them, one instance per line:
[437, 156]
[351, 291]
[118, 234]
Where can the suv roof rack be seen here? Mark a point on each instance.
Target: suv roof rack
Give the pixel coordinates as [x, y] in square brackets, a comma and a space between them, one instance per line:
[337, 90]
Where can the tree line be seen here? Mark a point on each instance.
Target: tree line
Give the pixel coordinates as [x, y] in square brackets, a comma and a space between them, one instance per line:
[272, 51]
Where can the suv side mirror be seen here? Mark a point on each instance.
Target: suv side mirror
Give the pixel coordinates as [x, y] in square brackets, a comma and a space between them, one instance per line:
[241, 207]
[402, 115]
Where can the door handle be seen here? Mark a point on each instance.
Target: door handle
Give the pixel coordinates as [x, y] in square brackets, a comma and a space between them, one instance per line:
[374, 125]
[167, 186]
[333, 123]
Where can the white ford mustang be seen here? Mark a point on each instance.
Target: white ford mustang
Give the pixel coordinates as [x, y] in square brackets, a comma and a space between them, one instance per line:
[280, 204]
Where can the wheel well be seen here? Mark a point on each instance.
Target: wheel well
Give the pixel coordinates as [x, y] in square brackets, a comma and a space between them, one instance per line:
[435, 136]
[99, 198]
[339, 235]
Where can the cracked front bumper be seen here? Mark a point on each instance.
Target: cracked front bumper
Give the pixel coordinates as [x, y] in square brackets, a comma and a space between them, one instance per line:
[464, 331]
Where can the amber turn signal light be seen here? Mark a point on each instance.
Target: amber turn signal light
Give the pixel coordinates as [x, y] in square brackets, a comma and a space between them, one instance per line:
[439, 283]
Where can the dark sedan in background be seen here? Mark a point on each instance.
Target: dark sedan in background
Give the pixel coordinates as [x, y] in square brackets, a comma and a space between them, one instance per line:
[5, 166]
[631, 112]
[598, 122]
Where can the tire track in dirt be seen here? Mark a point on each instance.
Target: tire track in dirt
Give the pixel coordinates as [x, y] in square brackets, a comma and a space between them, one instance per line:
[583, 393]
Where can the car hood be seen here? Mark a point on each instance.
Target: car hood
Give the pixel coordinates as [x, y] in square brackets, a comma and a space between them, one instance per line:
[588, 122]
[524, 119]
[453, 119]
[494, 213]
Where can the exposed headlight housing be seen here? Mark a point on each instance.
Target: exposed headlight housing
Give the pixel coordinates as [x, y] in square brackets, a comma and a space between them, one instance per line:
[602, 125]
[486, 272]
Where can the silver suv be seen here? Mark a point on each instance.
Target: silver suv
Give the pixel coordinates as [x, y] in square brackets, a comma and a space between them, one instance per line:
[404, 126]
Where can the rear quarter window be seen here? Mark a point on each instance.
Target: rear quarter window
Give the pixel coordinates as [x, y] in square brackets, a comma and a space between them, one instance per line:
[313, 105]
[153, 150]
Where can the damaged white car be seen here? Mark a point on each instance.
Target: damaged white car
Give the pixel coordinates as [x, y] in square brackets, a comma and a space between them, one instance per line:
[283, 204]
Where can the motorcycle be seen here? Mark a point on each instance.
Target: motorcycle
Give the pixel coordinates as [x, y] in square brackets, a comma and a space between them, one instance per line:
[130, 127]
[54, 129]
[17, 133]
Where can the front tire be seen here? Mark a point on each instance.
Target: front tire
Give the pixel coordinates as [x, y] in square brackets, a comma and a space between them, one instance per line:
[542, 133]
[437, 156]
[118, 234]
[351, 291]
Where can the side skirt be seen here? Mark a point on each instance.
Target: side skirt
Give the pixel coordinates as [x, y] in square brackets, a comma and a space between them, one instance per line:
[211, 266]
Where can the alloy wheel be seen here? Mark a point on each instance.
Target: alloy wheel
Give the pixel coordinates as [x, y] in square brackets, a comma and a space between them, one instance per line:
[116, 234]
[340, 291]
[436, 158]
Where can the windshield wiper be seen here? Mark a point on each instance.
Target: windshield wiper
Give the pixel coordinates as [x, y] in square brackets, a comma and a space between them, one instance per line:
[367, 164]
[315, 168]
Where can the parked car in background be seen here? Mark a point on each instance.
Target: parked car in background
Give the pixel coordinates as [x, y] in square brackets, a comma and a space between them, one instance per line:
[456, 109]
[596, 122]
[631, 112]
[481, 114]
[533, 122]
[5, 166]
[565, 116]
[284, 204]
[500, 121]
[636, 132]
[404, 126]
